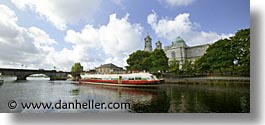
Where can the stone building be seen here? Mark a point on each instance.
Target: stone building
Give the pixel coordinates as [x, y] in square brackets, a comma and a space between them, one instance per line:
[109, 69]
[179, 51]
[148, 44]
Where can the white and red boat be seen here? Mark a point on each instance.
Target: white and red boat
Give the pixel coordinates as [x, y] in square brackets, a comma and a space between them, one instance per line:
[127, 80]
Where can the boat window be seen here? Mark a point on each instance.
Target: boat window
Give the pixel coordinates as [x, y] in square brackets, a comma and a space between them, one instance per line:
[138, 78]
[144, 78]
[124, 78]
[131, 78]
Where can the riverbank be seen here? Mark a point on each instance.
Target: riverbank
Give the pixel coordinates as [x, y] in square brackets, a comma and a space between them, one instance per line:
[208, 80]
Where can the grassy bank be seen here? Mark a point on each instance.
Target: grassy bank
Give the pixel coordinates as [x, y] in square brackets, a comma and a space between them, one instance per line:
[208, 80]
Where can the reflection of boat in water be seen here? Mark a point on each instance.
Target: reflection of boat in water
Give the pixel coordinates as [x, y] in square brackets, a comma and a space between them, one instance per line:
[135, 95]
[140, 99]
[125, 80]
[119, 91]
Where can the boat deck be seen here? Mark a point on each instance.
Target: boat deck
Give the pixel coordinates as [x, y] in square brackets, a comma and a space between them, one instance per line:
[124, 85]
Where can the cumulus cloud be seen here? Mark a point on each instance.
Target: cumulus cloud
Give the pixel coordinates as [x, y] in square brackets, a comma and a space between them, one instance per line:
[16, 42]
[174, 3]
[92, 46]
[182, 26]
[112, 42]
[60, 12]
[31, 47]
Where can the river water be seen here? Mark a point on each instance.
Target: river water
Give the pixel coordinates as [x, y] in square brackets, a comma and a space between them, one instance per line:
[171, 98]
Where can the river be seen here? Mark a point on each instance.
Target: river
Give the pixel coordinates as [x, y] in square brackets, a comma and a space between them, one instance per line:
[172, 98]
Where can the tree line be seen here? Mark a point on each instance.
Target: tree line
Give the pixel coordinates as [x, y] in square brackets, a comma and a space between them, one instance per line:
[227, 56]
[155, 61]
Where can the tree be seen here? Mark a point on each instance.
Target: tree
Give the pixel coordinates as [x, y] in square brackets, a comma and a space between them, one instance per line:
[138, 61]
[159, 61]
[241, 50]
[227, 55]
[77, 67]
[187, 67]
[174, 67]
[146, 61]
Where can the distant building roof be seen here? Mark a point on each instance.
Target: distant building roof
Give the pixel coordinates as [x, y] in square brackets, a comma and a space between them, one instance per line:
[179, 42]
[109, 65]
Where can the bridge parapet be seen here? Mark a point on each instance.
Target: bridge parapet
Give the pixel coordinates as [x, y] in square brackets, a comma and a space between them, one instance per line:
[22, 74]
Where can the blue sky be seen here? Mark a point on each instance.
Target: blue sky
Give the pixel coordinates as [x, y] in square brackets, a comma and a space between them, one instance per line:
[61, 33]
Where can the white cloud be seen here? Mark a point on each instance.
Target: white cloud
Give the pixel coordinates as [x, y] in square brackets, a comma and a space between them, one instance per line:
[61, 12]
[91, 46]
[23, 46]
[15, 42]
[41, 38]
[108, 43]
[174, 3]
[182, 26]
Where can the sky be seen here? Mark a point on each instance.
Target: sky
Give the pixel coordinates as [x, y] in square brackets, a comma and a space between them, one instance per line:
[54, 34]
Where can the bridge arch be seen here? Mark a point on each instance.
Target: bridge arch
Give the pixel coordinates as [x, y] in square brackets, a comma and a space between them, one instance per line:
[52, 76]
[38, 77]
[22, 74]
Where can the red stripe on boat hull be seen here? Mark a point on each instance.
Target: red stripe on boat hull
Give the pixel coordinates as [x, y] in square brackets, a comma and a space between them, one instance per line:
[131, 82]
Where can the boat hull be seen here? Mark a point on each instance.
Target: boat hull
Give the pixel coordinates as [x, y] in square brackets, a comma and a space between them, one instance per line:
[124, 83]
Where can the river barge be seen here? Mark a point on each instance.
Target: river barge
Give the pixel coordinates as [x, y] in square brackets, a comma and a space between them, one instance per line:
[126, 80]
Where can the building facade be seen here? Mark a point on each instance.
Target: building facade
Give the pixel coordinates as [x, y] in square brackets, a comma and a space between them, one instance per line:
[148, 44]
[179, 51]
[109, 69]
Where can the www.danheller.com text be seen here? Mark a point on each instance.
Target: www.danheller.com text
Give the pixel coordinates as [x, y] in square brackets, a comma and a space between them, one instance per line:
[89, 104]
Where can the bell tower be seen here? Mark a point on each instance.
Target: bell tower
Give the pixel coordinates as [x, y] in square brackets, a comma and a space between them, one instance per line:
[148, 43]
[158, 45]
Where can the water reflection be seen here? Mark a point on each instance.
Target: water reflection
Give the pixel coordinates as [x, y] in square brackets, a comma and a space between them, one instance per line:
[180, 98]
[141, 100]
[167, 98]
[203, 98]
[75, 92]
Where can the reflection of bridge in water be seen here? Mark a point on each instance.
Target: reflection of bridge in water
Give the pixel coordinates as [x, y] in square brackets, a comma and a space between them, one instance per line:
[22, 74]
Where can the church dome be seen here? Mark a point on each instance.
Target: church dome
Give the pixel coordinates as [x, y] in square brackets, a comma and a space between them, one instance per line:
[179, 42]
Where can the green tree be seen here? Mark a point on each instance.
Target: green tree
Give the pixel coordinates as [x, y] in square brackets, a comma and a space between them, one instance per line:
[227, 55]
[77, 67]
[187, 67]
[138, 61]
[153, 62]
[159, 61]
[241, 50]
[174, 67]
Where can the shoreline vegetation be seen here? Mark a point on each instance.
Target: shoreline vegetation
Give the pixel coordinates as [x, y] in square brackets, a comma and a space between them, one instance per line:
[212, 80]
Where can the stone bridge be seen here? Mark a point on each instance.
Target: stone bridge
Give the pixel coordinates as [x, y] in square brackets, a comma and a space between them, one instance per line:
[22, 74]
